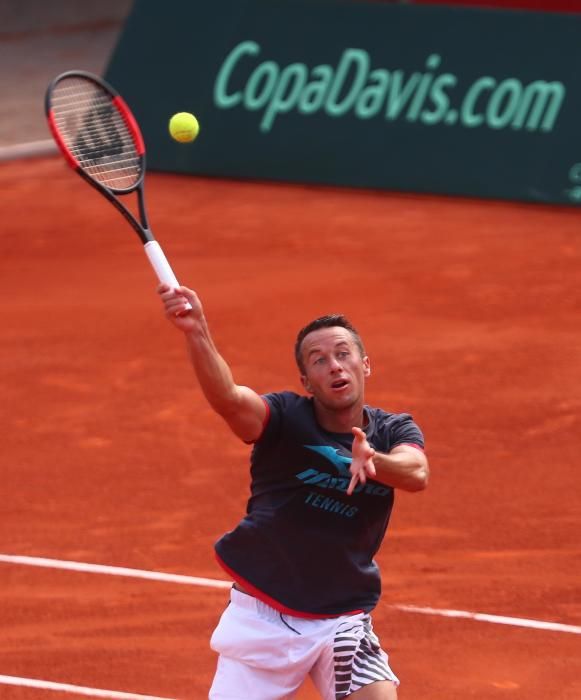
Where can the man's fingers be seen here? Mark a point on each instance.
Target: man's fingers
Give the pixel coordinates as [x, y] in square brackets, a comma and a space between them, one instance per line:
[176, 307]
[187, 293]
[352, 484]
[166, 292]
[170, 296]
[171, 305]
[358, 475]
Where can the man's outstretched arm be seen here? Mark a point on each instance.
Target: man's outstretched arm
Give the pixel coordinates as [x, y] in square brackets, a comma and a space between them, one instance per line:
[404, 467]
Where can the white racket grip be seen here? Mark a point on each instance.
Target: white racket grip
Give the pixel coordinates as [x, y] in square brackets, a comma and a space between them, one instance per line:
[161, 266]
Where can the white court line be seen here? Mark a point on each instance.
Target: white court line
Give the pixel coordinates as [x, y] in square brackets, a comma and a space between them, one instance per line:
[219, 583]
[495, 619]
[114, 571]
[76, 689]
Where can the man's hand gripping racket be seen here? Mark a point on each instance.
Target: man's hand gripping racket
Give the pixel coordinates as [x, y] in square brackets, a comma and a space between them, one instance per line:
[100, 139]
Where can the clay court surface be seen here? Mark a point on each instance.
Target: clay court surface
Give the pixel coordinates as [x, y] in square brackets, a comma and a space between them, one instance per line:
[471, 315]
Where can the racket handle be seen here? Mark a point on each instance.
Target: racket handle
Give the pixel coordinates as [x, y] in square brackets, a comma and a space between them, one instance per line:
[161, 266]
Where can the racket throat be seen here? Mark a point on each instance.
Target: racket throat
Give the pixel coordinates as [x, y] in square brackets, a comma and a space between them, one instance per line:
[146, 231]
[146, 235]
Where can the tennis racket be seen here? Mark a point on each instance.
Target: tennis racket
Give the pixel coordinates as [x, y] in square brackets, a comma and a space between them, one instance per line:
[100, 139]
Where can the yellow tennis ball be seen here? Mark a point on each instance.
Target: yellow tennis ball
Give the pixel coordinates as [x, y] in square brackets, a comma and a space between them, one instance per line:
[183, 127]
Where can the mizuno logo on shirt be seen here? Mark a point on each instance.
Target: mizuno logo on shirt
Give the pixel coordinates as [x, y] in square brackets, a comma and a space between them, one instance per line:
[339, 483]
[339, 461]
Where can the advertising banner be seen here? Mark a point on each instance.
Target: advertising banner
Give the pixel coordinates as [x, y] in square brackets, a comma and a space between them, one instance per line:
[346, 92]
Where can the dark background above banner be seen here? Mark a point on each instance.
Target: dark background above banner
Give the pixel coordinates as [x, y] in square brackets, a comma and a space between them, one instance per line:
[395, 96]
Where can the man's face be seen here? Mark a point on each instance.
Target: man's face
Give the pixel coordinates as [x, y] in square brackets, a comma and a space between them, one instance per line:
[334, 369]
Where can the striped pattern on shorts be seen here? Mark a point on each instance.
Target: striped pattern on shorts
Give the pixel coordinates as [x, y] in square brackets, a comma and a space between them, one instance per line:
[359, 659]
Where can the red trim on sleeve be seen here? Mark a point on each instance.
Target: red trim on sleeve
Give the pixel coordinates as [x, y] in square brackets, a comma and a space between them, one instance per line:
[259, 595]
[264, 423]
[411, 444]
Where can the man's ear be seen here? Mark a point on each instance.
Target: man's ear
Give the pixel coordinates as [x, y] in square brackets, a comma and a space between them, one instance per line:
[306, 383]
[366, 367]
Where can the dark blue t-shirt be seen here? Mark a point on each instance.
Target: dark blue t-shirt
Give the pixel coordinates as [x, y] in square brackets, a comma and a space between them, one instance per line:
[305, 546]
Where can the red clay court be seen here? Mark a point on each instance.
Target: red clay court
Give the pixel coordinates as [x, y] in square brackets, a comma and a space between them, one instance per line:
[470, 312]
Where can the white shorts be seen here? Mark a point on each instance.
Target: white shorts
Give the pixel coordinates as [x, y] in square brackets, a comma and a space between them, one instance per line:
[266, 655]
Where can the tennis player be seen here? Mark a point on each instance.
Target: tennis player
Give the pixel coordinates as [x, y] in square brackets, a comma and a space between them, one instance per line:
[323, 468]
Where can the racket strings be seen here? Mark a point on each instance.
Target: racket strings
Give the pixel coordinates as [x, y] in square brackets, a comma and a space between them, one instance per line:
[95, 132]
